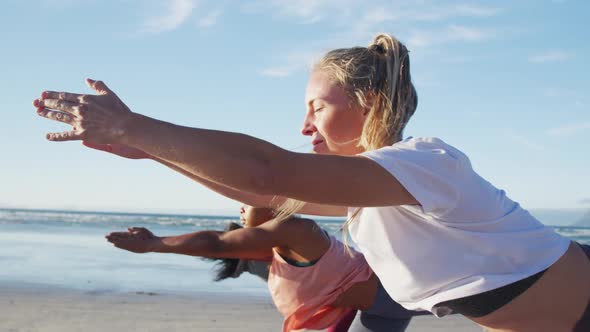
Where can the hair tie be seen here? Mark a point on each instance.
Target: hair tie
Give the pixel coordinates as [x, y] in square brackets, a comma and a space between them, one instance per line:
[378, 48]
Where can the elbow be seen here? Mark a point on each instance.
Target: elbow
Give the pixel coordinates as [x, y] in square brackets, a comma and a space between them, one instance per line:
[210, 246]
[203, 243]
[214, 244]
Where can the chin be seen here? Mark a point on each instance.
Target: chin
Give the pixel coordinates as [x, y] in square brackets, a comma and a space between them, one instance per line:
[322, 150]
[319, 149]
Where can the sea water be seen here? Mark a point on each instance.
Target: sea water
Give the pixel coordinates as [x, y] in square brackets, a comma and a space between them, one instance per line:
[68, 249]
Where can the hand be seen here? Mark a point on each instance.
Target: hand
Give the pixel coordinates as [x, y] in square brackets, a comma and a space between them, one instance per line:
[100, 118]
[137, 239]
[119, 150]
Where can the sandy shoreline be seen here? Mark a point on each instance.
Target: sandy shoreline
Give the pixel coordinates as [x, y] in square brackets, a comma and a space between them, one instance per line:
[63, 310]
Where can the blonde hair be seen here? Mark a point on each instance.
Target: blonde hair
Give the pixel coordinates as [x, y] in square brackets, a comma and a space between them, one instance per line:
[376, 78]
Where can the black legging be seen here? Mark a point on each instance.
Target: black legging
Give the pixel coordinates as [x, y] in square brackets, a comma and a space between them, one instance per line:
[385, 315]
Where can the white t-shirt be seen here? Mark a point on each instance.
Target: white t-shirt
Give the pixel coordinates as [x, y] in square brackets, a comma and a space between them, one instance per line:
[466, 237]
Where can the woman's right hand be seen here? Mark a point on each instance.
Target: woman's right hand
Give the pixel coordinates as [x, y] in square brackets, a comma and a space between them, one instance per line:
[101, 118]
[119, 150]
[137, 239]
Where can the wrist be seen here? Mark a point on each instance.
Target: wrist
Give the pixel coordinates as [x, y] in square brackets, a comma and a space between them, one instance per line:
[157, 245]
[127, 127]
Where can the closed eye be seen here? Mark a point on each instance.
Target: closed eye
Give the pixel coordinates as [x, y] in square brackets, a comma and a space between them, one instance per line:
[318, 109]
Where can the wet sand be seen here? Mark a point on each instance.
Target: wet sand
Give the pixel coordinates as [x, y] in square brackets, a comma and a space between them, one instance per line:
[64, 310]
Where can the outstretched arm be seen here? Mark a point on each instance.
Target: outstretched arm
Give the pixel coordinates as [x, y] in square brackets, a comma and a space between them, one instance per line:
[251, 243]
[301, 236]
[265, 169]
[252, 199]
[248, 198]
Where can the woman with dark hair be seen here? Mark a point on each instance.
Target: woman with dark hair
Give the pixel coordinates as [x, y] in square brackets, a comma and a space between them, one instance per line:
[314, 280]
[234, 267]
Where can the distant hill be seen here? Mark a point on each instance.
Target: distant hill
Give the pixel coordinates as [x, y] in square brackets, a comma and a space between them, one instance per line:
[559, 217]
[584, 221]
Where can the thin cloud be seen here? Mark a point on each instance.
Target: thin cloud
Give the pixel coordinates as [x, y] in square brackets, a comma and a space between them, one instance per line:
[457, 32]
[278, 71]
[434, 13]
[425, 13]
[305, 10]
[176, 13]
[297, 61]
[477, 11]
[64, 3]
[414, 12]
[560, 93]
[368, 19]
[549, 57]
[585, 201]
[525, 142]
[569, 129]
[311, 11]
[294, 62]
[210, 19]
[453, 33]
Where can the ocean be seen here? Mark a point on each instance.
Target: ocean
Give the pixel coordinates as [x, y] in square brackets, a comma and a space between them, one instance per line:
[67, 249]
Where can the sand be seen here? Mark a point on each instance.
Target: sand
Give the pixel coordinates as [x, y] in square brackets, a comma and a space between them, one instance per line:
[53, 309]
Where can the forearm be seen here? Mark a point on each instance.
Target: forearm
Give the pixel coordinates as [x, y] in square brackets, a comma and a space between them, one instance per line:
[204, 243]
[207, 154]
[238, 195]
[251, 165]
[270, 201]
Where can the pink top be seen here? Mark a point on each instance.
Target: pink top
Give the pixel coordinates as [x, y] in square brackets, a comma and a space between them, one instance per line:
[304, 294]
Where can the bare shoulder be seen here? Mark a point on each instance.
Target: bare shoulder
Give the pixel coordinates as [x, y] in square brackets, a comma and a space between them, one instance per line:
[295, 224]
[302, 239]
[300, 230]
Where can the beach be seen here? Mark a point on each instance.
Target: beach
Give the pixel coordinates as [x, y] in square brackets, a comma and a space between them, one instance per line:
[58, 273]
[48, 309]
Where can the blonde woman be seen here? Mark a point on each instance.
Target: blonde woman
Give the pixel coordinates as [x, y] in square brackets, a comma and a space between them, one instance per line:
[438, 236]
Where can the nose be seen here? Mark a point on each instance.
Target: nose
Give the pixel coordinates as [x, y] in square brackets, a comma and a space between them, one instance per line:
[308, 126]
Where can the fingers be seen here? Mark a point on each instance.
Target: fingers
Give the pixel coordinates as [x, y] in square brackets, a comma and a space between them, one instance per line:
[98, 86]
[64, 136]
[116, 236]
[125, 235]
[71, 97]
[76, 134]
[74, 108]
[56, 115]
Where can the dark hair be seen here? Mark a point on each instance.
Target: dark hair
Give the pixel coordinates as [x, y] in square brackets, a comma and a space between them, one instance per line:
[225, 267]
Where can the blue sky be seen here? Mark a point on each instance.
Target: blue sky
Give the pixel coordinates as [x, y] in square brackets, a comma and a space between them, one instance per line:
[505, 81]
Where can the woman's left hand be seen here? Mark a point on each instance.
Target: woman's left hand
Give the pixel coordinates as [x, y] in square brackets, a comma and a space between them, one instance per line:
[100, 118]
